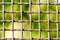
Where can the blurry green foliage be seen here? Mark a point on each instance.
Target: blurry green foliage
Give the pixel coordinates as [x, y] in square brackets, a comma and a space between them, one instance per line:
[53, 26]
[53, 34]
[0, 34]
[0, 7]
[26, 16]
[7, 0]
[0, 16]
[25, 0]
[16, 0]
[0, 0]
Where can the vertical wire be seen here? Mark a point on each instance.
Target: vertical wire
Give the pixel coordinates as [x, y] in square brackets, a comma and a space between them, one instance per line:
[21, 20]
[57, 17]
[30, 9]
[48, 9]
[3, 19]
[39, 19]
[12, 19]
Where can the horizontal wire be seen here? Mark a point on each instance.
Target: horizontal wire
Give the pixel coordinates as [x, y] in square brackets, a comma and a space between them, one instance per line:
[23, 21]
[31, 12]
[32, 39]
[42, 30]
[33, 3]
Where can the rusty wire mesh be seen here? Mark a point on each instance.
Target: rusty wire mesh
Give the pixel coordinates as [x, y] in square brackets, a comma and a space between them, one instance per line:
[30, 3]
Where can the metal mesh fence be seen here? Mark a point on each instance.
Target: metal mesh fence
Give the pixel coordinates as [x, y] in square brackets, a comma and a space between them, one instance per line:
[30, 20]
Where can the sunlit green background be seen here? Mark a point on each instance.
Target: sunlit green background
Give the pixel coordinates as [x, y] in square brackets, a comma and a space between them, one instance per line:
[26, 25]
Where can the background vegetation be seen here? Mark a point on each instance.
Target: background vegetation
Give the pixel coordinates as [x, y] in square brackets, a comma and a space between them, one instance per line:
[26, 25]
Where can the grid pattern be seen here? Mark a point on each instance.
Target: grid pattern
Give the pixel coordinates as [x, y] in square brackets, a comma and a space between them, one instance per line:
[30, 12]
